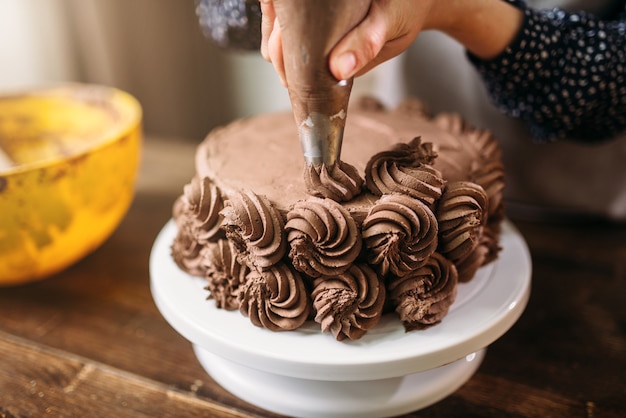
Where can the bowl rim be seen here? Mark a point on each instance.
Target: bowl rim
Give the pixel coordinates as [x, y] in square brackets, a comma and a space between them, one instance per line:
[122, 130]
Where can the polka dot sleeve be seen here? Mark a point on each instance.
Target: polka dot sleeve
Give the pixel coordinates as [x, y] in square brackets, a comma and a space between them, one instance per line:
[564, 75]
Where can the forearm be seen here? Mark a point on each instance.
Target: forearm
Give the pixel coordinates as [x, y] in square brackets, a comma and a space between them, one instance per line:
[564, 75]
[484, 27]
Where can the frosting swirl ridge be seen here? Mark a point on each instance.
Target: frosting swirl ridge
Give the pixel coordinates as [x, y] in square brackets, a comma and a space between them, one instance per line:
[405, 169]
[485, 252]
[400, 234]
[256, 228]
[186, 251]
[340, 182]
[423, 297]
[196, 214]
[225, 274]
[490, 175]
[349, 304]
[323, 237]
[275, 299]
[462, 214]
[203, 202]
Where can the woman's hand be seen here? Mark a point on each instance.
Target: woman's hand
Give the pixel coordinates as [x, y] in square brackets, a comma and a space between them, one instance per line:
[271, 40]
[484, 27]
[388, 29]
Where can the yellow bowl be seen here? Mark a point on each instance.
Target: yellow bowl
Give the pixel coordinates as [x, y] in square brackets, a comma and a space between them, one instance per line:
[69, 156]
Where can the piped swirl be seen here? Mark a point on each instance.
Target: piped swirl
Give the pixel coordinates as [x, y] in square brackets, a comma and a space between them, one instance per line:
[256, 228]
[276, 299]
[349, 304]
[462, 214]
[323, 237]
[487, 168]
[225, 274]
[341, 182]
[485, 252]
[423, 297]
[186, 251]
[405, 169]
[203, 202]
[196, 214]
[400, 233]
[490, 176]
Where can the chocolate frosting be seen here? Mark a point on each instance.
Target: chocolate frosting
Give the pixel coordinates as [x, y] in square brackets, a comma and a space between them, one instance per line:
[405, 169]
[323, 237]
[423, 297]
[186, 251]
[179, 214]
[196, 213]
[276, 299]
[400, 233]
[349, 304]
[225, 274]
[482, 163]
[340, 182]
[462, 214]
[490, 176]
[428, 197]
[203, 202]
[256, 227]
[486, 251]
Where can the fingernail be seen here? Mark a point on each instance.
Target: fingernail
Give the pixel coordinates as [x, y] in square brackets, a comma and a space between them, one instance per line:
[346, 64]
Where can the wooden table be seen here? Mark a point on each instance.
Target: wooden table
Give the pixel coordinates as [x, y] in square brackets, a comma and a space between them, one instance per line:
[89, 342]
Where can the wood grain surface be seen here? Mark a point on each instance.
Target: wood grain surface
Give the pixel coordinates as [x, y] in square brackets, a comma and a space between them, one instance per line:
[89, 342]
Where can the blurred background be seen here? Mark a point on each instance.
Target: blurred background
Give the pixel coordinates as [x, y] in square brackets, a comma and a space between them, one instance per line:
[153, 49]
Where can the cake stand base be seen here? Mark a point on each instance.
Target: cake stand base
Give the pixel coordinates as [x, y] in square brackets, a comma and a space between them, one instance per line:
[317, 398]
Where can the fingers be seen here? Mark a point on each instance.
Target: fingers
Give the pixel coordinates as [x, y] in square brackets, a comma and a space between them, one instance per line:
[268, 17]
[361, 45]
[275, 52]
[271, 40]
[387, 30]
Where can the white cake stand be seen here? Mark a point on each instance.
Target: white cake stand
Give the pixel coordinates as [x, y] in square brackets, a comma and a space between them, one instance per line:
[305, 373]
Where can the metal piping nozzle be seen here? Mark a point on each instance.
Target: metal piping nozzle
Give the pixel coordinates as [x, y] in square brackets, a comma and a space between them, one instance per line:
[310, 29]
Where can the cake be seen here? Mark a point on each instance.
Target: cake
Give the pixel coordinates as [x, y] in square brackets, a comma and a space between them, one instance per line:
[413, 207]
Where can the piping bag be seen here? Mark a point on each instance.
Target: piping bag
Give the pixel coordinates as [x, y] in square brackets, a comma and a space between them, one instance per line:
[310, 29]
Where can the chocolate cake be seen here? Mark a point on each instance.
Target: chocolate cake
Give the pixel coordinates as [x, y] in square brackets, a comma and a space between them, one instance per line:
[413, 207]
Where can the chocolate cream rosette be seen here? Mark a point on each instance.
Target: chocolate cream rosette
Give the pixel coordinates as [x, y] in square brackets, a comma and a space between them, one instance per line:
[342, 251]
[323, 237]
[225, 274]
[400, 234]
[256, 228]
[197, 216]
[423, 297]
[349, 304]
[463, 210]
[405, 169]
[275, 298]
[341, 182]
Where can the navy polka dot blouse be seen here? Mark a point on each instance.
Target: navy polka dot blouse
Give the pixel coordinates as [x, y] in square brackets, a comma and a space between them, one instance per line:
[564, 74]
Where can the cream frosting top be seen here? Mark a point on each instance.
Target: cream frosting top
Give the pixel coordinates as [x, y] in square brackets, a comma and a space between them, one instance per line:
[253, 154]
